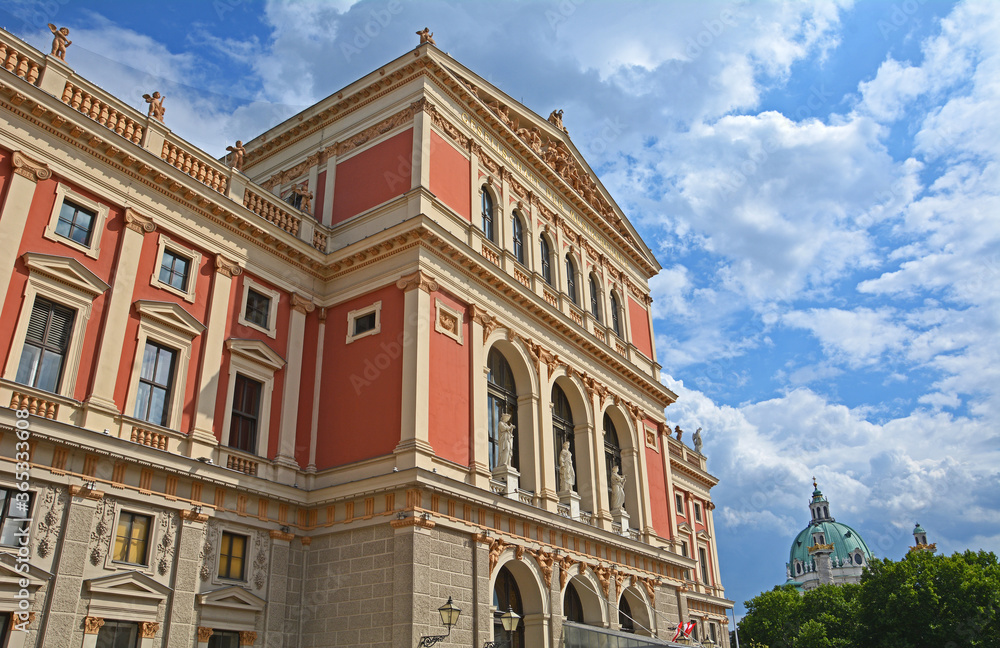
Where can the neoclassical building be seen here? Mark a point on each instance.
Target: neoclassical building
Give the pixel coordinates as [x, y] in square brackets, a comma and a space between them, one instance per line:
[394, 351]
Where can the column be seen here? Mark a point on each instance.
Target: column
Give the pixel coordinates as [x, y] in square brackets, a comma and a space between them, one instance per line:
[645, 508]
[331, 179]
[663, 438]
[712, 548]
[100, 409]
[285, 464]
[602, 504]
[27, 173]
[317, 388]
[202, 441]
[414, 448]
[546, 452]
[277, 588]
[421, 160]
[182, 611]
[479, 443]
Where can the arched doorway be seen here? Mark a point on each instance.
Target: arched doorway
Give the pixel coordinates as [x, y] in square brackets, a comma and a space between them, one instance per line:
[507, 595]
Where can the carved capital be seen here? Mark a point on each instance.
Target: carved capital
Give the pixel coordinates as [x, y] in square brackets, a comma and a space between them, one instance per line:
[33, 170]
[137, 222]
[417, 280]
[226, 267]
[204, 634]
[480, 316]
[193, 516]
[277, 534]
[248, 638]
[92, 625]
[147, 629]
[306, 541]
[301, 304]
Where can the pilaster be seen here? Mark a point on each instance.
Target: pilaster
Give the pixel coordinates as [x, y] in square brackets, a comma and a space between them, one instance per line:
[414, 448]
[285, 463]
[546, 452]
[479, 443]
[27, 173]
[182, 613]
[331, 180]
[277, 610]
[317, 389]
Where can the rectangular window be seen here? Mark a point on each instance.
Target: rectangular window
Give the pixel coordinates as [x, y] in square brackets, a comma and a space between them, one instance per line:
[13, 510]
[697, 511]
[684, 549]
[258, 308]
[246, 410]
[679, 501]
[75, 223]
[174, 270]
[45, 345]
[703, 558]
[364, 324]
[231, 555]
[131, 538]
[156, 377]
[224, 639]
[118, 634]
[711, 629]
[4, 627]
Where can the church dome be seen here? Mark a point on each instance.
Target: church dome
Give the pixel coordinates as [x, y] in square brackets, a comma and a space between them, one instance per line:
[825, 537]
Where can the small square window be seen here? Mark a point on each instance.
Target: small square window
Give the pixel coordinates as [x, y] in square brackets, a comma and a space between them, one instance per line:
[258, 308]
[75, 223]
[15, 512]
[232, 555]
[364, 322]
[132, 538]
[174, 270]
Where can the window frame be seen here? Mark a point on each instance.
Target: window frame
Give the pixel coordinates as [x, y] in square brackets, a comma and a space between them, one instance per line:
[703, 565]
[151, 519]
[271, 330]
[488, 226]
[101, 211]
[233, 413]
[697, 512]
[358, 313]
[257, 361]
[43, 346]
[246, 552]
[545, 254]
[114, 623]
[517, 236]
[615, 306]
[571, 287]
[68, 283]
[459, 316]
[165, 243]
[595, 297]
[8, 499]
[167, 388]
[679, 504]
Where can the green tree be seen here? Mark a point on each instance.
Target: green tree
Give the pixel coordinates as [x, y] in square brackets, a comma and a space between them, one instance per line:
[770, 618]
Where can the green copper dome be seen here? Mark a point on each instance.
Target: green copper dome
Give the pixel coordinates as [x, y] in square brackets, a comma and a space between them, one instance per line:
[827, 538]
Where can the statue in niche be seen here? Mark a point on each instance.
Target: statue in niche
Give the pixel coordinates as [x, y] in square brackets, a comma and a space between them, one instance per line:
[238, 153]
[617, 490]
[697, 440]
[555, 118]
[156, 109]
[567, 474]
[506, 454]
[59, 41]
[426, 36]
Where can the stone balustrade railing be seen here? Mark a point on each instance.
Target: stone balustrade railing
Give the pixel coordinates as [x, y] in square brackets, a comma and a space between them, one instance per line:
[245, 466]
[271, 211]
[20, 63]
[150, 438]
[103, 112]
[36, 406]
[199, 166]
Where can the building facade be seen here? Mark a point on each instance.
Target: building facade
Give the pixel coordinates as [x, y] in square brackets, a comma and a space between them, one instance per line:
[397, 349]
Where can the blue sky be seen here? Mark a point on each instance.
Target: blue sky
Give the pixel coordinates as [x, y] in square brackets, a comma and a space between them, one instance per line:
[818, 180]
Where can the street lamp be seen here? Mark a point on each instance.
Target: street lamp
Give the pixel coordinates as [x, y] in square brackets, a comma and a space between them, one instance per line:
[509, 620]
[449, 617]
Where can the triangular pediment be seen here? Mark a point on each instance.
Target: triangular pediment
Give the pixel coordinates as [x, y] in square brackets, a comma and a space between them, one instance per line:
[684, 527]
[232, 598]
[170, 315]
[130, 584]
[703, 535]
[66, 271]
[11, 574]
[256, 351]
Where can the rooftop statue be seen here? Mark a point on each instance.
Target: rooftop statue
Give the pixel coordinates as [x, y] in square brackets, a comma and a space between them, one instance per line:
[59, 41]
[426, 36]
[697, 440]
[238, 152]
[156, 109]
[555, 118]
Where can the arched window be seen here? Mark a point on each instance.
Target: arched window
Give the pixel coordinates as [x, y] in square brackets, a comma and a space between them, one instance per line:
[616, 325]
[625, 615]
[571, 279]
[546, 255]
[612, 450]
[487, 214]
[506, 594]
[562, 427]
[572, 606]
[501, 398]
[517, 229]
[595, 302]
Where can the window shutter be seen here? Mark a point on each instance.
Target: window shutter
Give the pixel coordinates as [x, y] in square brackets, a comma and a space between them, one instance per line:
[60, 327]
[36, 325]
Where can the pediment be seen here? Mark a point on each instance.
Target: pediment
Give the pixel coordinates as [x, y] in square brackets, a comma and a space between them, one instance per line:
[10, 574]
[256, 351]
[130, 584]
[703, 535]
[684, 527]
[170, 315]
[233, 598]
[66, 271]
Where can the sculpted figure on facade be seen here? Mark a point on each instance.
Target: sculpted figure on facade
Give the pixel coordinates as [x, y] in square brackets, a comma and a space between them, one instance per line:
[697, 440]
[59, 41]
[532, 138]
[555, 118]
[239, 152]
[506, 453]
[617, 490]
[679, 431]
[503, 112]
[426, 36]
[567, 474]
[156, 109]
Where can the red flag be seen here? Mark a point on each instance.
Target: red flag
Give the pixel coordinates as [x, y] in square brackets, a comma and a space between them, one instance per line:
[684, 629]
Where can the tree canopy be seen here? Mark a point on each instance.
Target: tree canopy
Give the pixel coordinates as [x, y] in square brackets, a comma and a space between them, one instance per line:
[921, 601]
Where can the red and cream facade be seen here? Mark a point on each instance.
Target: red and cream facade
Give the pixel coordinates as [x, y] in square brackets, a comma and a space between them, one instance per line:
[276, 426]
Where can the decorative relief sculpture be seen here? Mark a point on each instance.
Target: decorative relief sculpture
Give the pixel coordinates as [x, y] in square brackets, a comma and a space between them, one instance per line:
[54, 501]
[502, 112]
[617, 490]
[564, 566]
[207, 557]
[239, 152]
[92, 625]
[426, 36]
[506, 442]
[59, 41]
[567, 474]
[532, 138]
[100, 537]
[697, 440]
[147, 629]
[496, 548]
[156, 109]
[604, 576]
[165, 548]
[546, 562]
[260, 560]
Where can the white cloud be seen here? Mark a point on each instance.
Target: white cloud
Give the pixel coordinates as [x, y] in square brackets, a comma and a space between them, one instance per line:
[860, 336]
